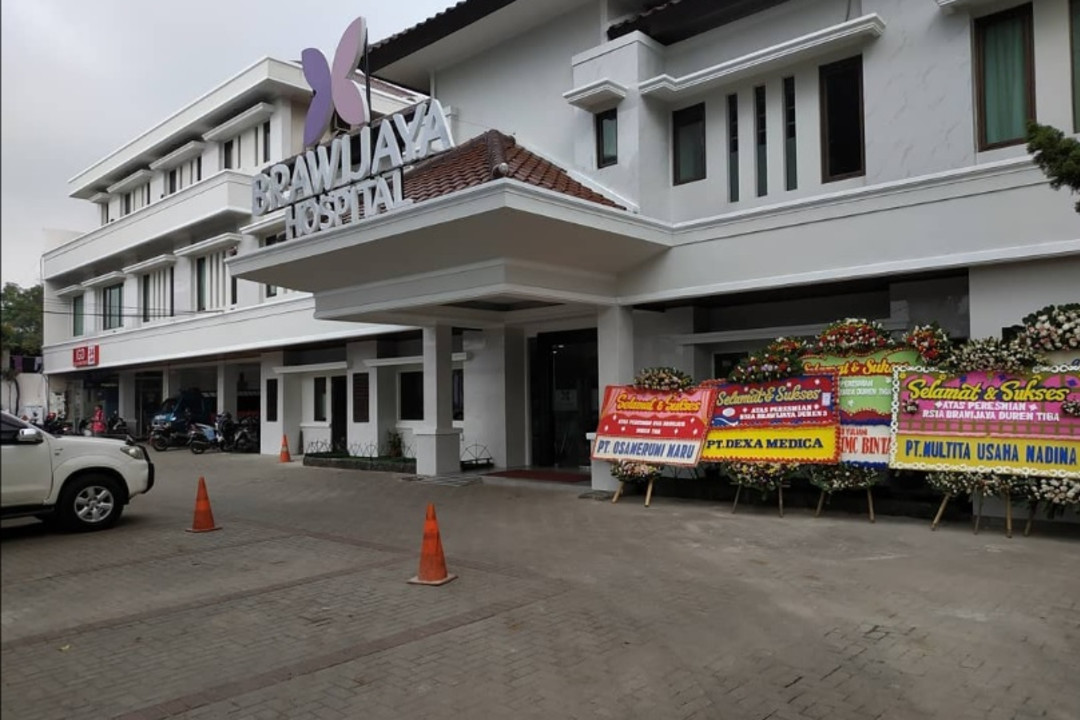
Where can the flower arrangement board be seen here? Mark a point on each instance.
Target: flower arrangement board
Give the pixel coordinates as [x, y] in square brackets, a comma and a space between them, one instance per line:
[864, 398]
[654, 426]
[987, 421]
[791, 421]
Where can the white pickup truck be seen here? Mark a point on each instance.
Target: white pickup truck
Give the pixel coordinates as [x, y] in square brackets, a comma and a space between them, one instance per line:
[82, 482]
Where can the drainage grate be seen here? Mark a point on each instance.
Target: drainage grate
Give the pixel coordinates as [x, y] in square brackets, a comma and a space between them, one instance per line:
[451, 480]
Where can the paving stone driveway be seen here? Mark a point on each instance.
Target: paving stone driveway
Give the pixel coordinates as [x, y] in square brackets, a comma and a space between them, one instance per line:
[565, 608]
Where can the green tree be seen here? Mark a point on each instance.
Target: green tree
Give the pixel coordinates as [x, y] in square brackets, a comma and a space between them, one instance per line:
[1057, 155]
[21, 313]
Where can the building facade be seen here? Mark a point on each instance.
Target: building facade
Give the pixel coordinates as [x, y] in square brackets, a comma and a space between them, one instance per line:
[144, 305]
[631, 186]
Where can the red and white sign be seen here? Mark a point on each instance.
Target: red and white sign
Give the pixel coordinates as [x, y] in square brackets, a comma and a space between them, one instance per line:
[667, 428]
[85, 356]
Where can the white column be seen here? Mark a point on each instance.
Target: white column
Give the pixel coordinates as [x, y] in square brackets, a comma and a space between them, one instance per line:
[247, 292]
[437, 442]
[183, 285]
[270, 432]
[227, 377]
[615, 350]
[384, 410]
[495, 394]
[126, 399]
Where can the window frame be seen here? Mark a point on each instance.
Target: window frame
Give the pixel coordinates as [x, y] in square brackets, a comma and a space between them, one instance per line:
[791, 138]
[1026, 12]
[696, 113]
[78, 316]
[109, 313]
[823, 71]
[761, 141]
[319, 399]
[602, 160]
[733, 146]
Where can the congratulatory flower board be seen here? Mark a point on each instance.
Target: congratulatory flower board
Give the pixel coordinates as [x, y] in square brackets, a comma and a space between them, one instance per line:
[983, 421]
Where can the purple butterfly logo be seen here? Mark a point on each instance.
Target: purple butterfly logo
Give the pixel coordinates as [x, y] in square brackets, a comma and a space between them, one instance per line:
[333, 87]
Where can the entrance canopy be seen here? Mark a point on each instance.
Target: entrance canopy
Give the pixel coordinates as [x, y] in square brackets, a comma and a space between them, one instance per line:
[495, 234]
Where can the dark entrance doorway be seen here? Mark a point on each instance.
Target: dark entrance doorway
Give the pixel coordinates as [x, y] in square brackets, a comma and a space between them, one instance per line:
[564, 395]
[338, 413]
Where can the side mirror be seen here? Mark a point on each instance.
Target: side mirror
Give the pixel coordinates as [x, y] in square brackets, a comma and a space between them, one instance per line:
[30, 436]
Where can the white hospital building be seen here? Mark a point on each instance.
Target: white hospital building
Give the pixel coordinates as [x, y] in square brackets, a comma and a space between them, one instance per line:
[631, 184]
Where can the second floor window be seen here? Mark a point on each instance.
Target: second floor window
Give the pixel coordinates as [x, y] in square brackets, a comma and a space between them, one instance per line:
[112, 306]
[607, 138]
[842, 154]
[157, 294]
[688, 133]
[760, 141]
[266, 141]
[104, 213]
[171, 181]
[212, 283]
[78, 310]
[733, 147]
[1004, 76]
[228, 153]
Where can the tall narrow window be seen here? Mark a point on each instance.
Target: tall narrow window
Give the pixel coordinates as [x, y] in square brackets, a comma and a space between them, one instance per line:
[145, 282]
[172, 185]
[227, 155]
[411, 396]
[126, 204]
[112, 306]
[320, 399]
[791, 175]
[607, 138]
[200, 284]
[239, 151]
[77, 310]
[266, 141]
[688, 132]
[1005, 76]
[361, 397]
[172, 291]
[233, 288]
[842, 154]
[271, 399]
[733, 147]
[198, 168]
[104, 213]
[761, 150]
[457, 393]
[1074, 20]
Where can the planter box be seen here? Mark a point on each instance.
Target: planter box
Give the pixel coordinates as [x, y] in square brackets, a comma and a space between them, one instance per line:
[403, 465]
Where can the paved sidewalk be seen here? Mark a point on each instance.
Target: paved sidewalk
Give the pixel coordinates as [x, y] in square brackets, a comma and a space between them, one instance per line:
[565, 608]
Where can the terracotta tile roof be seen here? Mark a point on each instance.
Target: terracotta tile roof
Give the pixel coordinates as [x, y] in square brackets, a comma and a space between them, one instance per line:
[488, 157]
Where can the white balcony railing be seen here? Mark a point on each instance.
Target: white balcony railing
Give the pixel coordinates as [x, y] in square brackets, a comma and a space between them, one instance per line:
[226, 192]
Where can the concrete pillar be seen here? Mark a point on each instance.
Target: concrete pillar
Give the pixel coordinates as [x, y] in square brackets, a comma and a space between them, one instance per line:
[495, 394]
[292, 412]
[615, 350]
[438, 442]
[227, 378]
[270, 420]
[126, 399]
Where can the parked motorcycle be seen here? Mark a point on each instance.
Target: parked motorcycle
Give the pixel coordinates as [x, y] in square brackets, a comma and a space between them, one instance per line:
[164, 436]
[203, 437]
[116, 425]
[55, 424]
[247, 436]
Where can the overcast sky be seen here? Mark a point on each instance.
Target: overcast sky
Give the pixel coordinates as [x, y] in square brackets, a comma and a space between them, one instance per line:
[80, 79]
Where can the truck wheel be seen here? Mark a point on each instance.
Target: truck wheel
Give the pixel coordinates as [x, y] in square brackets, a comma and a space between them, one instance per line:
[91, 502]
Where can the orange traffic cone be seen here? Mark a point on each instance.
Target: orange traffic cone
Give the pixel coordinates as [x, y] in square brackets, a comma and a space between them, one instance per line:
[285, 456]
[204, 517]
[432, 562]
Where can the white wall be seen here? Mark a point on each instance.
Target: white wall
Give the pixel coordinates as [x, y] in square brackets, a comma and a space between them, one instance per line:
[1001, 295]
[517, 86]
